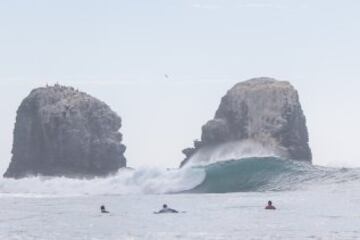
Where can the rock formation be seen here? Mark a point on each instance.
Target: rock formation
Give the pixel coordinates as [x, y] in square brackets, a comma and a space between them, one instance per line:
[263, 110]
[60, 131]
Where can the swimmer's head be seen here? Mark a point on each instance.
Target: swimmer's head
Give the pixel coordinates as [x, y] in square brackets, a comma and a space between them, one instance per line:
[165, 206]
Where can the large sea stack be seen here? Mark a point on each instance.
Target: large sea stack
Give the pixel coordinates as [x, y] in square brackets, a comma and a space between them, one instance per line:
[60, 131]
[262, 111]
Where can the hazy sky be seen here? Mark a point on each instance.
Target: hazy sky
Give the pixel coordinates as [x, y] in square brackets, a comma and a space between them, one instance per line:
[119, 51]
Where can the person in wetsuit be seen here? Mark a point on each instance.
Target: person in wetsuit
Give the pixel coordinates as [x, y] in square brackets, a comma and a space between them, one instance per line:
[166, 209]
[270, 206]
[103, 210]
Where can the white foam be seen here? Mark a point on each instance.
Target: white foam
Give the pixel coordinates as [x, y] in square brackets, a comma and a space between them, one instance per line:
[142, 181]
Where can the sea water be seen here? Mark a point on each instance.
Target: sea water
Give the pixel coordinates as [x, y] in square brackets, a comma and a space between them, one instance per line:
[312, 203]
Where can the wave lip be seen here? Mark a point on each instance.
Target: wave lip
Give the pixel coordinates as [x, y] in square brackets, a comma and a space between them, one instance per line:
[234, 150]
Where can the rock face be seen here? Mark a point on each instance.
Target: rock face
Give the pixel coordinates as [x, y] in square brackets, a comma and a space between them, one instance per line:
[263, 110]
[60, 131]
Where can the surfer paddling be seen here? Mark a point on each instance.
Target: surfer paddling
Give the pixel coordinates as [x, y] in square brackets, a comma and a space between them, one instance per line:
[166, 209]
[103, 209]
[270, 206]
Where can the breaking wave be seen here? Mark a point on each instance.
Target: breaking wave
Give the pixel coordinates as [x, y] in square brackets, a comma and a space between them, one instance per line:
[254, 174]
[126, 181]
[269, 174]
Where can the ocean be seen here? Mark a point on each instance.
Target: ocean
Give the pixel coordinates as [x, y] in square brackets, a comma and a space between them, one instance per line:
[222, 200]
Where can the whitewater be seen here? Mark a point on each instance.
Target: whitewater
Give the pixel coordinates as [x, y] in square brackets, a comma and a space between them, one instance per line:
[221, 200]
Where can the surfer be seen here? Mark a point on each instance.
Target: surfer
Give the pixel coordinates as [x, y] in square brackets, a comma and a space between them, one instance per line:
[103, 210]
[166, 209]
[270, 206]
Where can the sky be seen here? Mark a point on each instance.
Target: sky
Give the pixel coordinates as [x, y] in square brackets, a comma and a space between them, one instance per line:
[119, 51]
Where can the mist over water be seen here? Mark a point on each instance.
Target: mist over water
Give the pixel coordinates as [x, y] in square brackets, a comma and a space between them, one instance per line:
[234, 150]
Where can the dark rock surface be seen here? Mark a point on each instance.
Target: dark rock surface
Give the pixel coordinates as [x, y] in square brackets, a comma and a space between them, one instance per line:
[262, 110]
[60, 131]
